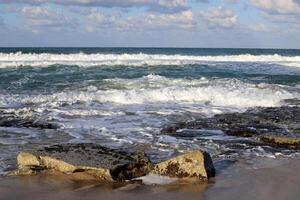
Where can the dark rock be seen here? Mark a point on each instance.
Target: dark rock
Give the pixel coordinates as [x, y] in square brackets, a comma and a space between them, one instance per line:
[253, 122]
[11, 119]
[122, 165]
[86, 157]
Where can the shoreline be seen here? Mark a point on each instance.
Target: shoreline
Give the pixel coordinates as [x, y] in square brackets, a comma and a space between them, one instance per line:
[273, 179]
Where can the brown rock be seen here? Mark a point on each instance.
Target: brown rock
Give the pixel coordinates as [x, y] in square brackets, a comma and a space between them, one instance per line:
[101, 162]
[195, 164]
[27, 159]
[282, 142]
[59, 165]
[90, 161]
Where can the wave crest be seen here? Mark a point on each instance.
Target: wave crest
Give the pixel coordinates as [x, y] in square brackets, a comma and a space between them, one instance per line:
[224, 92]
[140, 59]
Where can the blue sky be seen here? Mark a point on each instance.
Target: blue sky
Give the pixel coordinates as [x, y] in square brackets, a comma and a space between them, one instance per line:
[154, 23]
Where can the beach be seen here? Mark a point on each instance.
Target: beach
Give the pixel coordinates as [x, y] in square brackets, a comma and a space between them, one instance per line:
[239, 107]
[276, 180]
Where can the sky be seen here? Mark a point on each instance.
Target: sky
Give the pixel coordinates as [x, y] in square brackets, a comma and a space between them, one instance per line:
[150, 23]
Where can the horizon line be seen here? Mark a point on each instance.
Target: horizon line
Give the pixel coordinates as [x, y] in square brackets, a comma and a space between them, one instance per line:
[151, 47]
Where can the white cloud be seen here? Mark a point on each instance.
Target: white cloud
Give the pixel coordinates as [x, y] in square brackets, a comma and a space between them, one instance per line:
[182, 20]
[219, 18]
[154, 5]
[96, 20]
[278, 6]
[283, 13]
[288, 23]
[259, 27]
[38, 18]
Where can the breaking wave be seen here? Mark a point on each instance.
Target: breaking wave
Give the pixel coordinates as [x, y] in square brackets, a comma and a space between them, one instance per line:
[140, 59]
[154, 89]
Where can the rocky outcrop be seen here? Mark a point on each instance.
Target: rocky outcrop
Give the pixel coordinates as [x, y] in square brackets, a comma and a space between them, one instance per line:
[195, 164]
[281, 142]
[253, 122]
[101, 163]
[19, 119]
[98, 161]
[256, 122]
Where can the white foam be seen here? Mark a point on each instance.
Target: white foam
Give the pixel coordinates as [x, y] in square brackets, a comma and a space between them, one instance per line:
[222, 92]
[154, 179]
[140, 59]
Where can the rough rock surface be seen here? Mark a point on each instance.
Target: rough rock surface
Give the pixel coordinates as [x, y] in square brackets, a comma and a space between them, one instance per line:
[282, 142]
[195, 164]
[86, 160]
[280, 121]
[104, 163]
[13, 119]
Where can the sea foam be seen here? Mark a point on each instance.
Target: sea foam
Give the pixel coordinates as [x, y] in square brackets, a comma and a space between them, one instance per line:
[140, 59]
[220, 92]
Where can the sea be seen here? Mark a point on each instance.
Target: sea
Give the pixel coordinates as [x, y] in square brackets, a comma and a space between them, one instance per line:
[123, 97]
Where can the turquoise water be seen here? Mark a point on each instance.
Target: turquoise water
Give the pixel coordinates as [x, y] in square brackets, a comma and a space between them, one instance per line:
[122, 97]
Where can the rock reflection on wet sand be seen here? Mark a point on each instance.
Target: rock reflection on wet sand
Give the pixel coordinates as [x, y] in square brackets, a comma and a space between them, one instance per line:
[261, 179]
[62, 187]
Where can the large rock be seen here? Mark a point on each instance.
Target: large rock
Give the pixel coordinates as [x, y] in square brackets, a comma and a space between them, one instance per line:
[195, 164]
[282, 142]
[27, 159]
[96, 160]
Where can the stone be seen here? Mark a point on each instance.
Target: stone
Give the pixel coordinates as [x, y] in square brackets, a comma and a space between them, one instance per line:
[281, 142]
[27, 159]
[195, 164]
[101, 162]
[59, 165]
[252, 123]
[87, 161]
[19, 119]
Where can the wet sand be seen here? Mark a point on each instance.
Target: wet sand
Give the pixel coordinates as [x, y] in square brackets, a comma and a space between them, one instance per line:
[272, 179]
[281, 182]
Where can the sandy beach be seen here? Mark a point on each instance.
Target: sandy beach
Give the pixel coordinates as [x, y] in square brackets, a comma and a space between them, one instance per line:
[256, 179]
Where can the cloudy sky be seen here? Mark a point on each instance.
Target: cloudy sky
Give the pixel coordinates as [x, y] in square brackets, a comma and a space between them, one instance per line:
[169, 23]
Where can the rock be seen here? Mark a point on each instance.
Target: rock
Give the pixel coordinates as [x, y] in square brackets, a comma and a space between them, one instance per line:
[195, 164]
[27, 159]
[18, 119]
[292, 102]
[173, 128]
[92, 161]
[282, 142]
[101, 162]
[59, 165]
[253, 122]
[241, 132]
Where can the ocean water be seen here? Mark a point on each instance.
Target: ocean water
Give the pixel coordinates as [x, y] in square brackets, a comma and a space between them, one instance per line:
[122, 97]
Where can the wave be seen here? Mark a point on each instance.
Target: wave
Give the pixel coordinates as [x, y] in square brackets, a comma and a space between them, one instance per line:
[140, 59]
[220, 92]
